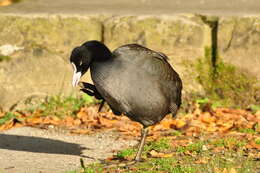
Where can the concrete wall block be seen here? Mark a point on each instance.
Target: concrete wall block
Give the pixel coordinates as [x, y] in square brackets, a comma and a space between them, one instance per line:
[41, 67]
[160, 33]
[54, 33]
[239, 42]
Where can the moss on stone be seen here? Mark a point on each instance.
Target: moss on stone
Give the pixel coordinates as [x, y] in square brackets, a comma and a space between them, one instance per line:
[55, 34]
[4, 58]
[230, 86]
[161, 34]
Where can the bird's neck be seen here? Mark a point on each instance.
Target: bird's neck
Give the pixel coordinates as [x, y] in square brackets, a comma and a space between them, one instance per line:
[97, 51]
[102, 57]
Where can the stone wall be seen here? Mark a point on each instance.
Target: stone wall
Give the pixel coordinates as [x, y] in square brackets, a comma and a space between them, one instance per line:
[37, 63]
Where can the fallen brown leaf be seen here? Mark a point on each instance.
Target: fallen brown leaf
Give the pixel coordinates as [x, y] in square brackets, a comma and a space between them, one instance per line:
[220, 121]
[207, 118]
[218, 149]
[34, 120]
[202, 160]
[2, 114]
[77, 122]
[253, 145]
[156, 154]
[179, 123]
[232, 170]
[5, 2]
[68, 121]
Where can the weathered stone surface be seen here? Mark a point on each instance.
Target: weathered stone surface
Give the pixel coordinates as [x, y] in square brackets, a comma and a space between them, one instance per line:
[54, 33]
[42, 67]
[239, 42]
[161, 33]
[136, 7]
[30, 77]
[179, 37]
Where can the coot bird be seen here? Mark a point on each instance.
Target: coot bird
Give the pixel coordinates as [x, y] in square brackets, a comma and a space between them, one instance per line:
[133, 80]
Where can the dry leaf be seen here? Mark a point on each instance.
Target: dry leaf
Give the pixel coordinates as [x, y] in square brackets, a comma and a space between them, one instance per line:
[225, 170]
[81, 114]
[207, 118]
[218, 149]
[77, 122]
[202, 160]
[253, 145]
[34, 120]
[223, 120]
[8, 125]
[182, 143]
[80, 131]
[226, 126]
[5, 2]
[232, 170]
[47, 120]
[69, 121]
[55, 118]
[2, 114]
[179, 123]
[257, 113]
[156, 154]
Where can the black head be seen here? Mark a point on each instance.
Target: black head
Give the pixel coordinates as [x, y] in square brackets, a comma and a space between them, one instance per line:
[81, 57]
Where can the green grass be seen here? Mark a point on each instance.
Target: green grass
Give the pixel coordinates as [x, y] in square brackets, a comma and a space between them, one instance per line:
[126, 153]
[254, 108]
[195, 147]
[186, 164]
[227, 85]
[55, 106]
[16, 1]
[183, 162]
[4, 58]
[230, 142]
[162, 144]
[206, 101]
[176, 133]
[257, 141]
[159, 145]
[8, 116]
[74, 171]
[62, 106]
[247, 130]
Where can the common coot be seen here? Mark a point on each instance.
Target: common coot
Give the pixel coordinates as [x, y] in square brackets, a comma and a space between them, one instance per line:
[134, 80]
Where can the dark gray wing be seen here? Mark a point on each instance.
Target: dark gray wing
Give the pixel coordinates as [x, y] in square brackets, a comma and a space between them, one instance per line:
[156, 64]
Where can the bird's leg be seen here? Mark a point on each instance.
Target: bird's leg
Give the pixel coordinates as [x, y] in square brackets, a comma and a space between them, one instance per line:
[91, 90]
[141, 144]
[138, 155]
[88, 92]
[101, 105]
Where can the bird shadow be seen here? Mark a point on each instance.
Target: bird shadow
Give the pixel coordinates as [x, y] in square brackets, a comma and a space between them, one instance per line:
[40, 145]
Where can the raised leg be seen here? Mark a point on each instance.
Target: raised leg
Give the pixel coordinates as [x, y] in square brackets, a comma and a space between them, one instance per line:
[90, 89]
[141, 144]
